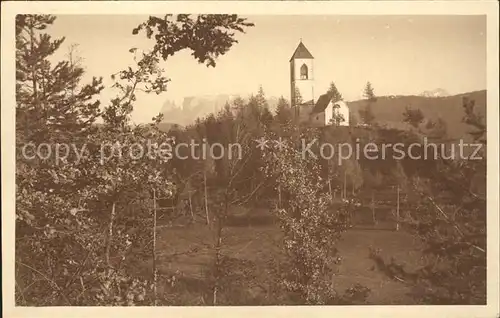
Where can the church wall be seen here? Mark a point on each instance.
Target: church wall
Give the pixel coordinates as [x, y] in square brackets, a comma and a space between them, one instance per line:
[304, 112]
[318, 120]
[328, 113]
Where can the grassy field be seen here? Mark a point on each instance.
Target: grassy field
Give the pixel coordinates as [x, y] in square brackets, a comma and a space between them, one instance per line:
[253, 253]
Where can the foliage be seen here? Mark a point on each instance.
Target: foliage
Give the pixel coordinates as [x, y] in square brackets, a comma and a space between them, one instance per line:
[79, 218]
[450, 220]
[310, 225]
[208, 36]
[474, 119]
[284, 115]
[367, 115]
[413, 117]
[49, 98]
[435, 129]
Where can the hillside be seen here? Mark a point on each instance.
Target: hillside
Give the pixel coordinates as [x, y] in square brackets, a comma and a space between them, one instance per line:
[389, 110]
[167, 126]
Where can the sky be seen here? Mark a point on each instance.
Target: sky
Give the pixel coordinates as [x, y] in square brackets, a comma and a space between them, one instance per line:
[399, 55]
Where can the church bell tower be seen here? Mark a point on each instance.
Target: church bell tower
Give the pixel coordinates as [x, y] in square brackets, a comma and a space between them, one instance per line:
[301, 76]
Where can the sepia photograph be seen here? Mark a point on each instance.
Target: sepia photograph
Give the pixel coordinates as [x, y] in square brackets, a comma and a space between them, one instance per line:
[257, 155]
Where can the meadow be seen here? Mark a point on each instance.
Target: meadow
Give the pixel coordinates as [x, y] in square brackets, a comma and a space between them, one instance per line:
[252, 244]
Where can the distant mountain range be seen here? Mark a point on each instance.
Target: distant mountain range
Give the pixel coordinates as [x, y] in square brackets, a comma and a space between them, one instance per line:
[439, 92]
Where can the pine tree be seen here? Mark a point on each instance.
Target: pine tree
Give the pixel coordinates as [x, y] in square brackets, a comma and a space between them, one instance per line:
[368, 92]
[334, 93]
[50, 99]
[283, 111]
[261, 98]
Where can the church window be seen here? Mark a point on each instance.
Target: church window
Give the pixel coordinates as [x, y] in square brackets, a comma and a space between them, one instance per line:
[303, 72]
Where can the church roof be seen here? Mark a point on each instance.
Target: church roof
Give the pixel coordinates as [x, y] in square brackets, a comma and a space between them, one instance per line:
[321, 104]
[301, 52]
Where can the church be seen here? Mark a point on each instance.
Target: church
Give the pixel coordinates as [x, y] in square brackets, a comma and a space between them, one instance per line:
[310, 110]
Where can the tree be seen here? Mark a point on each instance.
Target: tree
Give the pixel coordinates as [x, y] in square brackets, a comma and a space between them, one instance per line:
[413, 117]
[261, 98]
[474, 119]
[436, 129]
[309, 224]
[367, 115]
[236, 180]
[260, 101]
[50, 100]
[334, 93]
[283, 115]
[52, 106]
[208, 36]
[449, 218]
[368, 92]
[77, 208]
[335, 96]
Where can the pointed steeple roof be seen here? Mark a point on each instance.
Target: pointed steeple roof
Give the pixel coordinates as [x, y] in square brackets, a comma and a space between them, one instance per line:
[301, 52]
